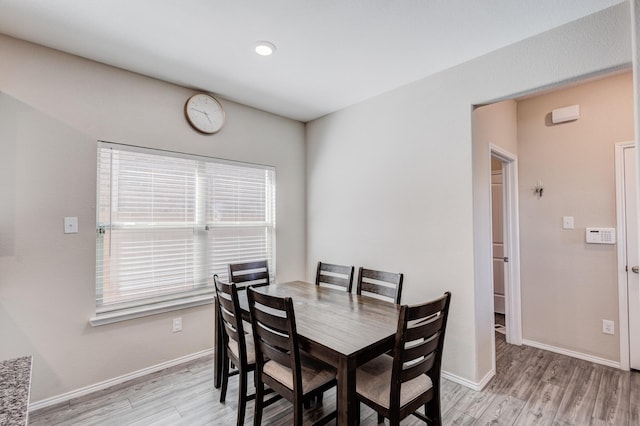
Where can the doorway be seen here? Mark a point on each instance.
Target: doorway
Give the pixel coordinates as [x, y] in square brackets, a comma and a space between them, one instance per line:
[497, 237]
[506, 254]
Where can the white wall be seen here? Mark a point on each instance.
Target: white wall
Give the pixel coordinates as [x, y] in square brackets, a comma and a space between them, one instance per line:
[54, 108]
[568, 286]
[392, 182]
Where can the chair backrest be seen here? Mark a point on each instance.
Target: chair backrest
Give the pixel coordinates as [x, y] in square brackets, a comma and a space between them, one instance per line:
[419, 342]
[274, 330]
[253, 274]
[335, 275]
[386, 284]
[229, 316]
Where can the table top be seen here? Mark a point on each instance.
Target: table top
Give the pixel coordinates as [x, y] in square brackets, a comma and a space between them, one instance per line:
[15, 383]
[345, 324]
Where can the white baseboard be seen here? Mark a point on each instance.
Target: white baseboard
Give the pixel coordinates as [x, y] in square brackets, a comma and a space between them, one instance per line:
[574, 354]
[477, 386]
[59, 399]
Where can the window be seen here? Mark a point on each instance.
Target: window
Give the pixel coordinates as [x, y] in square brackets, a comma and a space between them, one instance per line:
[167, 222]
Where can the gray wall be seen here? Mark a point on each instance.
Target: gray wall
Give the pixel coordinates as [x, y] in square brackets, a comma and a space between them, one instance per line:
[393, 182]
[54, 108]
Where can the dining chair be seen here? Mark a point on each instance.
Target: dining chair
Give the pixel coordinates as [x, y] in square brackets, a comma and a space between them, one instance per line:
[238, 350]
[335, 275]
[396, 386]
[384, 285]
[253, 274]
[279, 362]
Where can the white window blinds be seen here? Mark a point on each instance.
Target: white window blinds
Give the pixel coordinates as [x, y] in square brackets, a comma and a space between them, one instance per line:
[167, 222]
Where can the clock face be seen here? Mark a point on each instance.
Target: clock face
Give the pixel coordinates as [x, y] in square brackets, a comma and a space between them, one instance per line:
[204, 113]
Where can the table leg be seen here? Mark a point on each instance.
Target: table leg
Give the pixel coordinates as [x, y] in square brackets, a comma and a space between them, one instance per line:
[348, 408]
[217, 343]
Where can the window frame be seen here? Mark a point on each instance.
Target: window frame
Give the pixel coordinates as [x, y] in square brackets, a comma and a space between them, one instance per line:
[203, 293]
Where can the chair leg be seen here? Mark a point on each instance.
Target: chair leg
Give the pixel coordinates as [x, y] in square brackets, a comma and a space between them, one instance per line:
[242, 396]
[432, 411]
[380, 419]
[225, 377]
[297, 412]
[257, 411]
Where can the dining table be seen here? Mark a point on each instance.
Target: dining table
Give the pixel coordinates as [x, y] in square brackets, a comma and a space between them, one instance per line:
[343, 329]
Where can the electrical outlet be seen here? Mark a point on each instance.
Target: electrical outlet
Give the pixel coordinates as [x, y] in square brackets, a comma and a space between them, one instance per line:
[608, 327]
[177, 324]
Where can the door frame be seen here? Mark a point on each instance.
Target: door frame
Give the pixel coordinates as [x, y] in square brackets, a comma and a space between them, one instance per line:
[512, 295]
[623, 307]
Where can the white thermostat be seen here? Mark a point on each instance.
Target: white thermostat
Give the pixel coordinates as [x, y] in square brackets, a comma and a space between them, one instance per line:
[601, 235]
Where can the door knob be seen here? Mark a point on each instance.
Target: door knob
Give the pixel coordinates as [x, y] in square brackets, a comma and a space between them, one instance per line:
[635, 269]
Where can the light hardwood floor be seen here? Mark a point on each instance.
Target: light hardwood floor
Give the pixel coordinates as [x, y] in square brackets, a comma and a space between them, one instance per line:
[532, 387]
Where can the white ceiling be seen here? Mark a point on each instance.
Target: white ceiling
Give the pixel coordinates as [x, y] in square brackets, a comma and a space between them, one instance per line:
[330, 53]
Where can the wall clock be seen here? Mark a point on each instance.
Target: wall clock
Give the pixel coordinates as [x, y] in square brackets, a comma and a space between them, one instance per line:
[204, 113]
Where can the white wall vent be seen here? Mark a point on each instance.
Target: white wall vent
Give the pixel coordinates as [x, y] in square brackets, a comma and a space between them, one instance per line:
[570, 113]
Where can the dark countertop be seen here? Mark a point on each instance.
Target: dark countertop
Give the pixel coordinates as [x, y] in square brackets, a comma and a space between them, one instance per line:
[15, 382]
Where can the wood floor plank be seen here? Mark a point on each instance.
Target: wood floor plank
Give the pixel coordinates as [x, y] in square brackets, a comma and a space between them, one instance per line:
[474, 403]
[580, 396]
[456, 417]
[94, 416]
[510, 366]
[559, 371]
[541, 408]
[504, 410]
[166, 416]
[526, 379]
[531, 387]
[612, 402]
[166, 387]
[450, 394]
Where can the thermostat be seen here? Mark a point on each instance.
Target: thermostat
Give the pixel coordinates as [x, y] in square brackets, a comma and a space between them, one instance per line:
[601, 235]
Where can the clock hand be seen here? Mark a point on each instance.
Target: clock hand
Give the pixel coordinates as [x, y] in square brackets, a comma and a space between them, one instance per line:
[206, 114]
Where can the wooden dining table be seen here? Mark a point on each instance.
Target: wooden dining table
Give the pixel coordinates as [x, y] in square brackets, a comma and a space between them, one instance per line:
[342, 329]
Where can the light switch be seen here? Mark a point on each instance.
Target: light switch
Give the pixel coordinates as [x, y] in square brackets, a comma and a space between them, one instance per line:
[70, 225]
[567, 222]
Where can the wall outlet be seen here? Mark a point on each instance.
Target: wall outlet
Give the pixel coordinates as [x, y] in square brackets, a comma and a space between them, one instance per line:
[177, 324]
[608, 327]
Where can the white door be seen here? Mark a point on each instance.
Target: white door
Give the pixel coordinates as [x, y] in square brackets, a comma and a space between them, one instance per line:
[631, 222]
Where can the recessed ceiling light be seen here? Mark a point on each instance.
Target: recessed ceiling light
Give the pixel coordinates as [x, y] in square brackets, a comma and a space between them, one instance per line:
[265, 48]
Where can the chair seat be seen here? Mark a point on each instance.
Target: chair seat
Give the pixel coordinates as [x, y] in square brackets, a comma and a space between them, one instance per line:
[251, 350]
[314, 373]
[373, 381]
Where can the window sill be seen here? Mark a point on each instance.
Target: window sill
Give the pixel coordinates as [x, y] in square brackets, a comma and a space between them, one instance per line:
[147, 310]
